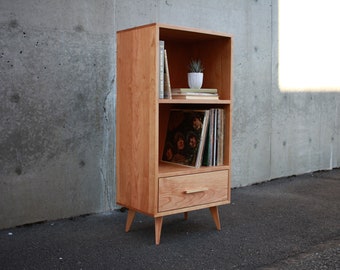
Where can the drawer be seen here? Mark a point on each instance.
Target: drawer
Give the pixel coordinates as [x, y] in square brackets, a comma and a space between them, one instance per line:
[191, 190]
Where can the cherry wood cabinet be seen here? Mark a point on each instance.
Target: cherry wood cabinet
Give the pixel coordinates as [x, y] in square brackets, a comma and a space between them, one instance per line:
[145, 184]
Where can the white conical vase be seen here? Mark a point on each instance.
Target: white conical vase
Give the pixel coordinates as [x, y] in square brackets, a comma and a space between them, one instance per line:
[195, 80]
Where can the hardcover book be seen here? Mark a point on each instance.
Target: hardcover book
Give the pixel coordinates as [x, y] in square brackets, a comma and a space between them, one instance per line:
[161, 69]
[194, 96]
[194, 90]
[189, 93]
[185, 139]
[167, 83]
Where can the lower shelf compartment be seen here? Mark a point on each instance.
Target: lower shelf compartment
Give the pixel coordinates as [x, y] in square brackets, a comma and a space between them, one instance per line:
[185, 191]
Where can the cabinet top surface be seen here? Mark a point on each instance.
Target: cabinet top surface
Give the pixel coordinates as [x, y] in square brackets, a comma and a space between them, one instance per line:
[174, 31]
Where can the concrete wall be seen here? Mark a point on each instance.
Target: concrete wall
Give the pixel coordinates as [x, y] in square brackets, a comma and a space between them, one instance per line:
[57, 97]
[305, 123]
[56, 109]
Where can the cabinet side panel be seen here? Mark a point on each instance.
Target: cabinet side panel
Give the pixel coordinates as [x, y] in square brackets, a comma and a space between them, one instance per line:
[136, 118]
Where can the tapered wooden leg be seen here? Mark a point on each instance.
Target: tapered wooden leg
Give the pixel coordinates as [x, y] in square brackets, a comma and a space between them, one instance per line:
[129, 220]
[185, 215]
[216, 217]
[158, 229]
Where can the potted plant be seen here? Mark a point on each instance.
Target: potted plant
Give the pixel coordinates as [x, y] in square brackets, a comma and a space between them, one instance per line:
[195, 75]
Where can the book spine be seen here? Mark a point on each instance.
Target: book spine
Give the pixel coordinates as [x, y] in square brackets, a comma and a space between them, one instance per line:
[205, 159]
[215, 138]
[161, 69]
[220, 136]
[199, 158]
[167, 85]
[211, 138]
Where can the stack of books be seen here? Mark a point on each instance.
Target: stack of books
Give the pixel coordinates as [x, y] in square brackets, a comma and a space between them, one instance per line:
[190, 93]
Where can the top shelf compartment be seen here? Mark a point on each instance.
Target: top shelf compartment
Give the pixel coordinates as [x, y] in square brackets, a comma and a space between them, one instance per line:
[213, 49]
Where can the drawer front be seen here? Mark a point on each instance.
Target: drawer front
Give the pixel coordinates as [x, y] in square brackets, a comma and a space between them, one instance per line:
[191, 190]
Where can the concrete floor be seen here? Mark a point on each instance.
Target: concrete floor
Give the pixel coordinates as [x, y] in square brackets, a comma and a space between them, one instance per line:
[288, 223]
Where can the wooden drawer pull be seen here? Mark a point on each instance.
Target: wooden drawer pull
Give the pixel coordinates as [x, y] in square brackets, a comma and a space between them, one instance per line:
[191, 191]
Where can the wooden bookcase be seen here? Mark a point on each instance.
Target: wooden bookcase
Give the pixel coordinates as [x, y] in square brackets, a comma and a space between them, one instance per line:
[145, 184]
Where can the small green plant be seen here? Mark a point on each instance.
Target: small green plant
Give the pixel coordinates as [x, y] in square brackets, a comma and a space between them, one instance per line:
[196, 66]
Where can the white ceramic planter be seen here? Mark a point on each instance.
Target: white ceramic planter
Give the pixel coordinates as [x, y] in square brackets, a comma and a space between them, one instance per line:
[195, 80]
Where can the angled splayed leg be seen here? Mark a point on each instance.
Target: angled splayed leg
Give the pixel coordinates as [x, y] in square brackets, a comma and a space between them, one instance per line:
[185, 215]
[158, 229]
[129, 220]
[216, 217]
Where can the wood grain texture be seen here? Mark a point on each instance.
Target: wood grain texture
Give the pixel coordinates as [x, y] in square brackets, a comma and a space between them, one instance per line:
[137, 118]
[190, 190]
[145, 184]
